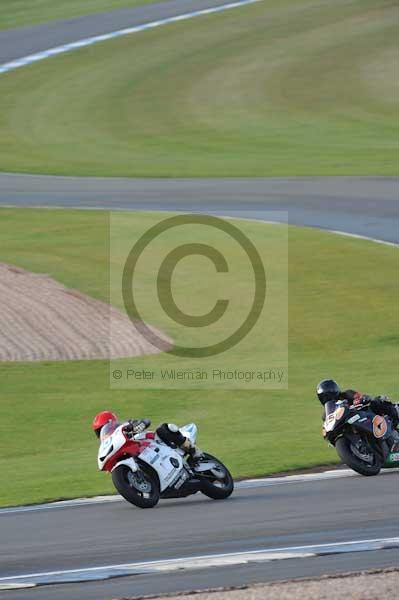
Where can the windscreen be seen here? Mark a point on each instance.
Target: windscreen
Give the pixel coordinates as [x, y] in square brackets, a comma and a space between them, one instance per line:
[330, 407]
[108, 430]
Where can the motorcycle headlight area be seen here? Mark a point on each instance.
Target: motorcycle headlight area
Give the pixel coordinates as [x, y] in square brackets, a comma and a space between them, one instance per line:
[333, 417]
[110, 449]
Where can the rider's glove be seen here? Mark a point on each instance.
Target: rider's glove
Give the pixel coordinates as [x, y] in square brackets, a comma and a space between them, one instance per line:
[129, 427]
[361, 399]
[382, 398]
[134, 426]
[140, 426]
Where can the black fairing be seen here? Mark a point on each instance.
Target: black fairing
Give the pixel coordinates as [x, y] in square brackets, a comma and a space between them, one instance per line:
[364, 423]
[330, 407]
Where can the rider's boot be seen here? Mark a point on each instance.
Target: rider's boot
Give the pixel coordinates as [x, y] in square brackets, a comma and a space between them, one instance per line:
[194, 453]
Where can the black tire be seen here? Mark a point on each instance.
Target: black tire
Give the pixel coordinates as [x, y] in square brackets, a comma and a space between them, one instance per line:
[123, 480]
[215, 488]
[345, 453]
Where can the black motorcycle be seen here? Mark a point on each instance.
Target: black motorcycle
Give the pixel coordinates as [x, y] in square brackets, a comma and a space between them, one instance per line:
[361, 438]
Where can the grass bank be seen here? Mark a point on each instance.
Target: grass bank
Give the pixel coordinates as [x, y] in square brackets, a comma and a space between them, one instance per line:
[283, 87]
[346, 329]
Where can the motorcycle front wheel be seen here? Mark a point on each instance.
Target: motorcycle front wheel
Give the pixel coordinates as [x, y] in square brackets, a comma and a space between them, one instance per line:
[217, 483]
[359, 455]
[140, 488]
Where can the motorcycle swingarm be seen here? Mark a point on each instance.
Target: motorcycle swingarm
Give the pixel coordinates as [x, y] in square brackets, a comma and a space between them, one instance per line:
[187, 489]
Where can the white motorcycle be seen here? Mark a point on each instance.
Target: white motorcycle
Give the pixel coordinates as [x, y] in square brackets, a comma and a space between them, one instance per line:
[145, 469]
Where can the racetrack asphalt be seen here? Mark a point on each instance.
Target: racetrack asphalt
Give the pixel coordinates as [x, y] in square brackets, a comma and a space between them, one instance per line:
[288, 515]
[295, 514]
[15, 43]
[367, 206]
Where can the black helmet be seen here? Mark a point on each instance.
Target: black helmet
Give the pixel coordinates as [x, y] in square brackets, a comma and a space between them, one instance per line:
[328, 389]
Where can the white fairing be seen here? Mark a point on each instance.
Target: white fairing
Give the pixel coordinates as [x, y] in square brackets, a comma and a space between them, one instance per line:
[129, 462]
[166, 461]
[190, 431]
[110, 446]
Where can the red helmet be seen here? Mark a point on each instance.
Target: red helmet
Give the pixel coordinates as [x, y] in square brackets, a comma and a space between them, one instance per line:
[101, 419]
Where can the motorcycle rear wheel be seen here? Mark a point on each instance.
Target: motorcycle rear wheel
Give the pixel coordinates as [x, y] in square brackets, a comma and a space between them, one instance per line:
[140, 488]
[217, 488]
[343, 448]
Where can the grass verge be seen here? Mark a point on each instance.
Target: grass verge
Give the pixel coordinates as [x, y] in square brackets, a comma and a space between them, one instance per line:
[343, 320]
[283, 87]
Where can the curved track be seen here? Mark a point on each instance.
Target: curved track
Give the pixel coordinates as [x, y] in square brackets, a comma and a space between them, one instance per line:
[278, 516]
[367, 206]
[15, 43]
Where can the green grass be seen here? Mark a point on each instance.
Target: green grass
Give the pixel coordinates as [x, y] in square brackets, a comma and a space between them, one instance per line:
[19, 13]
[343, 313]
[283, 87]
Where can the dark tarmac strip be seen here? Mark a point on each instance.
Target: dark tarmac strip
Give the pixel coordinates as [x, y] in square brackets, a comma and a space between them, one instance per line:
[15, 43]
[275, 517]
[367, 206]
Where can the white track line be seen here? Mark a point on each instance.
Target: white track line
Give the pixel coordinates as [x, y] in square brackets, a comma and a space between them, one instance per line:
[33, 58]
[240, 485]
[357, 236]
[363, 237]
[196, 562]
